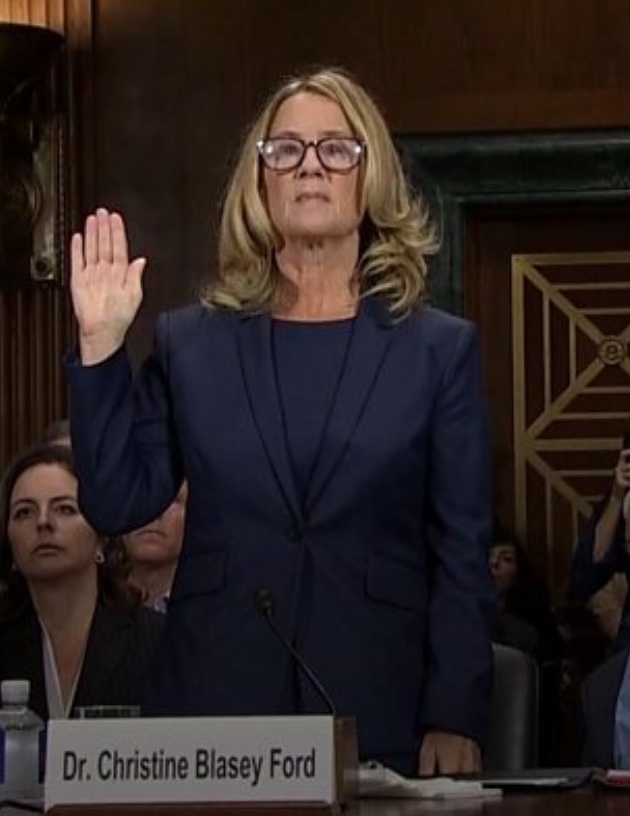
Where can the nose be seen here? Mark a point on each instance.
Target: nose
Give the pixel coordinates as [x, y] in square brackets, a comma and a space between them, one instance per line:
[310, 161]
[44, 519]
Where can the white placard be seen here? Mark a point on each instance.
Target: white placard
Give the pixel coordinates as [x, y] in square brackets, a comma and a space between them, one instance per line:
[190, 759]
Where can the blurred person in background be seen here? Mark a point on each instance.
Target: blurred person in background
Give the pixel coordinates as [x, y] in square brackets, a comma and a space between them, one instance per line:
[69, 623]
[602, 549]
[154, 551]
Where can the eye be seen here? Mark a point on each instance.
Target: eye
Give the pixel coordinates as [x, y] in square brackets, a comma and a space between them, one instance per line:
[332, 147]
[21, 513]
[346, 149]
[288, 149]
[66, 509]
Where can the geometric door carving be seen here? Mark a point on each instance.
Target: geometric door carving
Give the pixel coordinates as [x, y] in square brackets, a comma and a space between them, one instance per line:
[571, 383]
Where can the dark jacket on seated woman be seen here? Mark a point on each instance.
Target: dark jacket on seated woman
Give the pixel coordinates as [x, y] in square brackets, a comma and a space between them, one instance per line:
[69, 622]
[119, 650]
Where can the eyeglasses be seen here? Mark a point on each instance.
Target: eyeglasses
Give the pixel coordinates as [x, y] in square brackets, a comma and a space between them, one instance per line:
[339, 154]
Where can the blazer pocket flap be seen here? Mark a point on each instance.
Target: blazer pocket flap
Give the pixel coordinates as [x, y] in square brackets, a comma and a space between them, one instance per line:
[396, 583]
[201, 574]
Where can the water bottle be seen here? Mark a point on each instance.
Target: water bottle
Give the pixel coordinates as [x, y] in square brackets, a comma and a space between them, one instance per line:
[21, 743]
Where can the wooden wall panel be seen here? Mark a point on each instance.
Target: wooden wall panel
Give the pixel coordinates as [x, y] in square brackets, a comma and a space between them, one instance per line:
[558, 410]
[36, 331]
[164, 89]
[46, 13]
[491, 65]
[177, 81]
[36, 324]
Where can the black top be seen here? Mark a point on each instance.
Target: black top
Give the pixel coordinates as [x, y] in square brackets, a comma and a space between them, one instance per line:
[118, 657]
[310, 362]
[589, 576]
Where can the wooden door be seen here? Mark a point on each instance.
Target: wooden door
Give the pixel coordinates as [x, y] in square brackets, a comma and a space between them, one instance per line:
[550, 289]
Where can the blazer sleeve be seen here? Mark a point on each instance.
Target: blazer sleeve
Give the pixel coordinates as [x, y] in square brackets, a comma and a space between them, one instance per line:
[123, 441]
[587, 575]
[462, 597]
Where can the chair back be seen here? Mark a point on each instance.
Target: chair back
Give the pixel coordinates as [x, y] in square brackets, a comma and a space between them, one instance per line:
[513, 740]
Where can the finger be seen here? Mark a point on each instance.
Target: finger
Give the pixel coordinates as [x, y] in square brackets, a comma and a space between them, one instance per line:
[475, 760]
[77, 259]
[427, 763]
[471, 758]
[90, 240]
[447, 760]
[120, 250]
[104, 236]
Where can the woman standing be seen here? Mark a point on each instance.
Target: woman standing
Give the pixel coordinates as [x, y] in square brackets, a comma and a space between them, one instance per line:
[332, 430]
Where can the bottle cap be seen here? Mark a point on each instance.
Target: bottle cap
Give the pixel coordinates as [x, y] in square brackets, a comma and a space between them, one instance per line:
[15, 692]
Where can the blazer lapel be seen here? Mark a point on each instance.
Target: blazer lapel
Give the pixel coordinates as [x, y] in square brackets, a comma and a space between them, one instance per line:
[107, 643]
[371, 337]
[256, 356]
[23, 657]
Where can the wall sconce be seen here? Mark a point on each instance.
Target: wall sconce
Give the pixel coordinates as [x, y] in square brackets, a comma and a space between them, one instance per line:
[32, 139]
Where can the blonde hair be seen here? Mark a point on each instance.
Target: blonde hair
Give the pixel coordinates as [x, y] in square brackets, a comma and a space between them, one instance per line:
[397, 234]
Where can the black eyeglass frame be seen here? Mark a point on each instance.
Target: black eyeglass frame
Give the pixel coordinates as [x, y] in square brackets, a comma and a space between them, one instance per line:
[360, 149]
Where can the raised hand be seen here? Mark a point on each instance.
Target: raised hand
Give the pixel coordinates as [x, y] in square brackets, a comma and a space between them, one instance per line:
[106, 288]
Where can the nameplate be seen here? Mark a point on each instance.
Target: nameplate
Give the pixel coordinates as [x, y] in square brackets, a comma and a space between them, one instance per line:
[190, 759]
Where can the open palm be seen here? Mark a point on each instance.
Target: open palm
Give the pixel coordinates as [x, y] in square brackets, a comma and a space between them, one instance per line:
[106, 288]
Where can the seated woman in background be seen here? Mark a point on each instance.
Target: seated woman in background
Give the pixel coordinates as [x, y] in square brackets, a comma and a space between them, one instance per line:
[56, 433]
[607, 606]
[68, 621]
[526, 619]
[154, 550]
[601, 550]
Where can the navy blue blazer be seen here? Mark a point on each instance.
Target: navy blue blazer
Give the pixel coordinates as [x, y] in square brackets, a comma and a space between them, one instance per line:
[380, 577]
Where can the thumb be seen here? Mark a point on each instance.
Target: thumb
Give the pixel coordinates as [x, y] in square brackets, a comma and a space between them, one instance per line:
[135, 271]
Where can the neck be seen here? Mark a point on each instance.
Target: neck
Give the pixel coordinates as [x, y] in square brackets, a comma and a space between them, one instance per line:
[153, 582]
[321, 279]
[66, 607]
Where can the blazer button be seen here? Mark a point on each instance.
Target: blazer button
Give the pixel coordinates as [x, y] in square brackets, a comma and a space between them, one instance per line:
[295, 533]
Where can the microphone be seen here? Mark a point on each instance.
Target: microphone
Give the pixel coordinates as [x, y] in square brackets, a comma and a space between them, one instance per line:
[265, 605]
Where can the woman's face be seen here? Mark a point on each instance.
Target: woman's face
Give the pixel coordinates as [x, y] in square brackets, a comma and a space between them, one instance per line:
[311, 201]
[503, 566]
[159, 542]
[49, 537]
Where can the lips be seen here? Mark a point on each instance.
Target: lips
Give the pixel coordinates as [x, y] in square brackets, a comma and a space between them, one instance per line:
[149, 531]
[311, 196]
[47, 547]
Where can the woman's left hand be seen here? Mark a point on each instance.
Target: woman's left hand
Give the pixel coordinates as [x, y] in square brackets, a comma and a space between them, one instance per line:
[445, 753]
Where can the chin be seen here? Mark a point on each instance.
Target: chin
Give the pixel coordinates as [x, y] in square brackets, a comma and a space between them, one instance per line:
[150, 554]
[314, 232]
